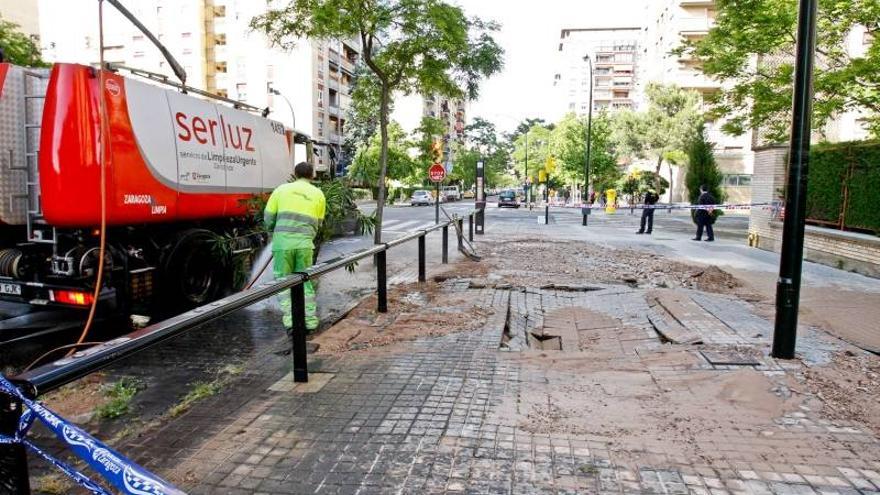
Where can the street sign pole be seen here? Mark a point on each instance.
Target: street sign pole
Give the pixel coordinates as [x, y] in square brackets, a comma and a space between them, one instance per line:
[436, 203]
[788, 285]
[437, 173]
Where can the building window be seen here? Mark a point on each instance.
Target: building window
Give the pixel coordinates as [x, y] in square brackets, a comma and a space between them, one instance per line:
[320, 96]
[220, 39]
[187, 51]
[138, 54]
[138, 37]
[221, 67]
[186, 35]
[737, 180]
[241, 89]
[320, 126]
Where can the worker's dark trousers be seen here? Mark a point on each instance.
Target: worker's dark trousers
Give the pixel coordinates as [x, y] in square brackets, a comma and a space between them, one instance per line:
[647, 215]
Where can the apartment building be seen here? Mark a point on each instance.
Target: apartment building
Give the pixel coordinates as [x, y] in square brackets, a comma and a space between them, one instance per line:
[668, 24]
[614, 55]
[453, 113]
[307, 87]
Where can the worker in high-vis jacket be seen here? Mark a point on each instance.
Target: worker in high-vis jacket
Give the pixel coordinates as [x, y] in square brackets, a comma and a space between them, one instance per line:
[293, 214]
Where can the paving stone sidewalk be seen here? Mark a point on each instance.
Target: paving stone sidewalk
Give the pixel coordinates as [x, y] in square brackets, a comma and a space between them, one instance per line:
[449, 414]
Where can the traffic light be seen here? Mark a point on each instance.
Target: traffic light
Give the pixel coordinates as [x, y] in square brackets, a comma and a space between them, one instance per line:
[437, 152]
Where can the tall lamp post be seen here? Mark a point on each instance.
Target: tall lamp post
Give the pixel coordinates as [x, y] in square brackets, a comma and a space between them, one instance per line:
[292, 114]
[788, 286]
[586, 211]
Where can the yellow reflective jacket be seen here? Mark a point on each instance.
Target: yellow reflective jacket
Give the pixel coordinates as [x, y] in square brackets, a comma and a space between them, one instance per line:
[294, 213]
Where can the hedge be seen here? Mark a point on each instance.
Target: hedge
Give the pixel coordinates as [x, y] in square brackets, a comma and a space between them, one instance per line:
[845, 173]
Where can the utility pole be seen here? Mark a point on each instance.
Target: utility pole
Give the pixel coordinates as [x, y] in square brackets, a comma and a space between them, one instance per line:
[586, 211]
[788, 286]
[528, 182]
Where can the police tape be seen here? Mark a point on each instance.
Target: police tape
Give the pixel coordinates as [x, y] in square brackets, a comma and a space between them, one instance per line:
[725, 206]
[119, 471]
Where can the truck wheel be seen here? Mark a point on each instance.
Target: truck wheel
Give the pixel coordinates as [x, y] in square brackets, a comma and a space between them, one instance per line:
[195, 270]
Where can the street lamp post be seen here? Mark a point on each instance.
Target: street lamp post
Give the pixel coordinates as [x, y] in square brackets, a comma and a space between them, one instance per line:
[292, 114]
[788, 286]
[586, 211]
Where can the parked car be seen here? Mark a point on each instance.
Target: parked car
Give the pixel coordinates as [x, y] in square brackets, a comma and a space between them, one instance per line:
[451, 193]
[421, 197]
[508, 198]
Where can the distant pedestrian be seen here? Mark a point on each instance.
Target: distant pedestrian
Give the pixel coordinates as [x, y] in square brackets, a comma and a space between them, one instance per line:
[704, 216]
[651, 199]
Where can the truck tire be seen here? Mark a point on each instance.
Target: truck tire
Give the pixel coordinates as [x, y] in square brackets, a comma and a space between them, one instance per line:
[195, 271]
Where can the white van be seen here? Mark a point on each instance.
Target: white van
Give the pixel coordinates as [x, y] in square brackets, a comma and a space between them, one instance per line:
[451, 193]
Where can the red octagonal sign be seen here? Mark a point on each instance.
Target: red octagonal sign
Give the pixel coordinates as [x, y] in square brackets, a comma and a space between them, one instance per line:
[437, 173]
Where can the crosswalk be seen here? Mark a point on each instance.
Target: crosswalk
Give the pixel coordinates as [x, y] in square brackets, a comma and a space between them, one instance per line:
[405, 226]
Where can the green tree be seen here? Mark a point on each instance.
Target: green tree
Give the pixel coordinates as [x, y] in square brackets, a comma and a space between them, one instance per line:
[366, 168]
[638, 182]
[663, 130]
[762, 92]
[18, 47]
[422, 46]
[702, 171]
[568, 145]
[482, 137]
[530, 151]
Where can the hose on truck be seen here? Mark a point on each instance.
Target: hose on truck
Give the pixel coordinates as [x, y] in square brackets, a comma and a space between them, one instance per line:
[102, 161]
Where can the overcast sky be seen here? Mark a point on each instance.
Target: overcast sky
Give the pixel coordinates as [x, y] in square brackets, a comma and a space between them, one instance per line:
[530, 35]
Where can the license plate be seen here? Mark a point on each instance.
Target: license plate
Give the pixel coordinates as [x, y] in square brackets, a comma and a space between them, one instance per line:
[12, 289]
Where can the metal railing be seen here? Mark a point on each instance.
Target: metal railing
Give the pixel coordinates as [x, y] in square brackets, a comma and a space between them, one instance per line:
[38, 381]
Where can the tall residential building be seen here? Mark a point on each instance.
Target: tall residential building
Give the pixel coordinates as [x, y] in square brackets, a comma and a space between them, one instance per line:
[409, 110]
[669, 24]
[212, 40]
[614, 54]
[453, 113]
[23, 13]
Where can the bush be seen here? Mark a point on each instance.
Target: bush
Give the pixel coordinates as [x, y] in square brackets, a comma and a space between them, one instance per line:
[703, 170]
[359, 194]
[845, 175]
[638, 182]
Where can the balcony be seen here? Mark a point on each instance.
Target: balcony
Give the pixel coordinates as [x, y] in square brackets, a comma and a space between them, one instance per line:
[333, 83]
[691, 27]
[333, 109]
[333, 57]
[696, 3]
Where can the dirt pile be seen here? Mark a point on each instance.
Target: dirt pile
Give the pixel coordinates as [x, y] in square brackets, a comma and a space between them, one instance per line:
[533, 262]
[849, 388]
[414, 311]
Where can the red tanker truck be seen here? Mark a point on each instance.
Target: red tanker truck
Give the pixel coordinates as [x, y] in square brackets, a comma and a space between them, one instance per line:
[181, 169]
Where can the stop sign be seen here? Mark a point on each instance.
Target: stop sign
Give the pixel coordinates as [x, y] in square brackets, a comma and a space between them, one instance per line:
[437, 173]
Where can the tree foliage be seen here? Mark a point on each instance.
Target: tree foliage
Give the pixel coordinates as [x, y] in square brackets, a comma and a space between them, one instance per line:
[762, 92]
[703, 171]
[366, 168]
[530, 152]
[568, 144]
[638, 182]
[663, 131]
[18, 48]
[421, 46]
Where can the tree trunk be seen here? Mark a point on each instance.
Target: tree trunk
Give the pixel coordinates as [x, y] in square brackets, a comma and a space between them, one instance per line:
[383, 163]
[657, 177]
[671, 184]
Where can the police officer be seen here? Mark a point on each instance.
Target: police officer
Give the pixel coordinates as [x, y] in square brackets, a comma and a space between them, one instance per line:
[651, 199]
[704, 216]
[294, 212]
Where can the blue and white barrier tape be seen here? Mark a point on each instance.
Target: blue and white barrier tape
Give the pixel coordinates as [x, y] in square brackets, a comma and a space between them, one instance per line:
[732, 206]
[119, 471]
